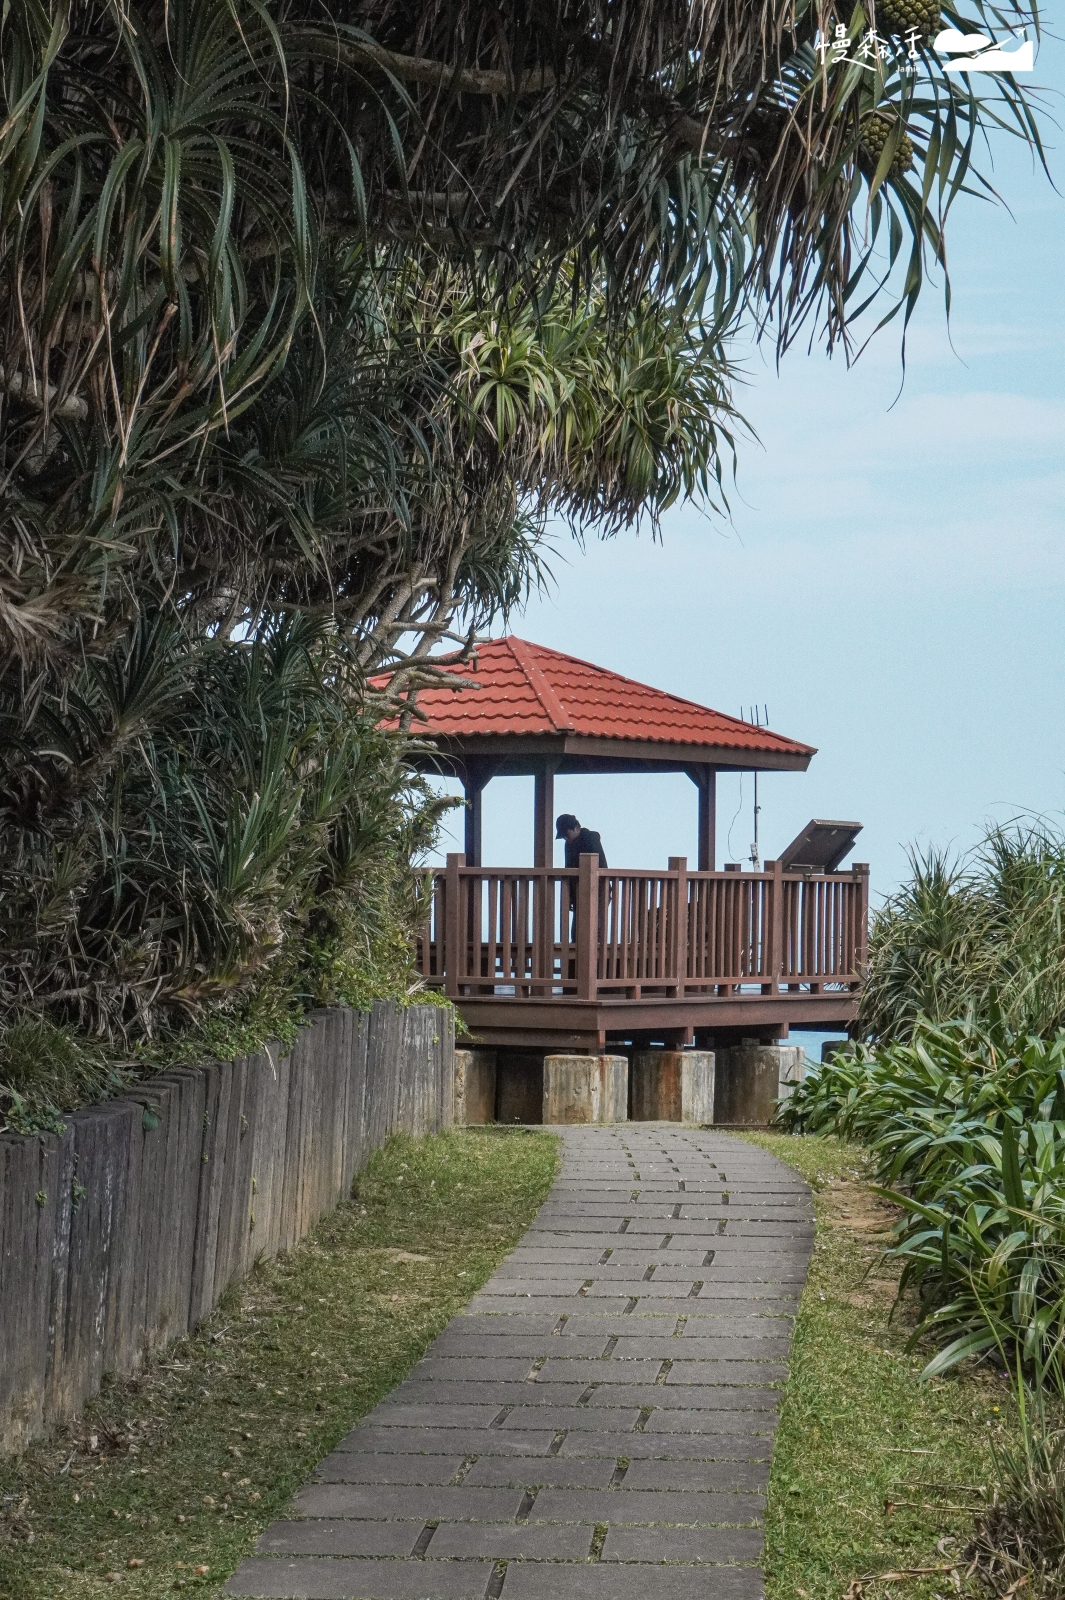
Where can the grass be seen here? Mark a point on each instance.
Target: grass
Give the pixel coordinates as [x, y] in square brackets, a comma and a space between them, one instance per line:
[169, 1477]
[874, 1472]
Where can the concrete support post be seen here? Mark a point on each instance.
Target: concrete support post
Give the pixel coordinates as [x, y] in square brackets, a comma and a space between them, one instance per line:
[673, 1086]
[586, 1089]
[475, 1087]
[792, 1069]
[751, 1078]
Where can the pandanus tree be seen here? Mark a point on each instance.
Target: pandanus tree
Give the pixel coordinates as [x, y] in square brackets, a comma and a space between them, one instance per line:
[310, 317]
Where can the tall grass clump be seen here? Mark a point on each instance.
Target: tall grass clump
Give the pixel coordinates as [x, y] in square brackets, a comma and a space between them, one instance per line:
[977, 937]
[967, 1124]
[1018, 1545]
[46, 1070]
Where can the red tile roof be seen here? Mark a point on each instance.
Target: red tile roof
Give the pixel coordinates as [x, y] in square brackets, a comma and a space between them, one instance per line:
[520, 688]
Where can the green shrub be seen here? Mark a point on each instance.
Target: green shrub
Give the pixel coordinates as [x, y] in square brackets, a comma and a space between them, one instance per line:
[967, 1125]
[258, 829]
[245, 855]
[46, 1071]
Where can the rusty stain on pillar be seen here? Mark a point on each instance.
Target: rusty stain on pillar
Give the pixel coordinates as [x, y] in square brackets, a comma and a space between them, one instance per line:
[673, 1086]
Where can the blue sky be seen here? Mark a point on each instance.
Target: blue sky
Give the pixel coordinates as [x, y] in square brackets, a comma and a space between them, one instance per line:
[891, 582]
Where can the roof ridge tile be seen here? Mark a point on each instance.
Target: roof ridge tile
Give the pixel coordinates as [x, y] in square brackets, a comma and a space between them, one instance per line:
[557, 715]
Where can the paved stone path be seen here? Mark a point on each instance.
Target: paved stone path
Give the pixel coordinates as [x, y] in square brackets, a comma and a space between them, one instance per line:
[597, 1424]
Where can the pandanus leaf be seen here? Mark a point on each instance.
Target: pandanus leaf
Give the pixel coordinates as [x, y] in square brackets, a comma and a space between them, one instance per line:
[1000, 1260]
[1012, 1185]
[1058, 1108]
[976, 1343]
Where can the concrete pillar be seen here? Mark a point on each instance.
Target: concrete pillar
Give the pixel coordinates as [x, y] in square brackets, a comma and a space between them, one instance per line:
[475, 1087]
[752, 1077]
[586, 1089]
[792, 1069]
[673, 1086]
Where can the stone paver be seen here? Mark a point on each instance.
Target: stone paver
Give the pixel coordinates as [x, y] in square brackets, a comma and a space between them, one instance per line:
[598, 1423]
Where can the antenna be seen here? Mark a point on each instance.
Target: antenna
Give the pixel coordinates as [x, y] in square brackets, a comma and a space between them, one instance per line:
[758, 716]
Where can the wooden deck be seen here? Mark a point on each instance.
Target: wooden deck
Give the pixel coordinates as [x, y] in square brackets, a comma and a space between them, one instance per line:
[575, 960]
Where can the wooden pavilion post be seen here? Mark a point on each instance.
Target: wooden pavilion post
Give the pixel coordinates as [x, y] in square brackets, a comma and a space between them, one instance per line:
[705, 780]
[774, 932]
[453, 933]
[544, 813]
[678, 932]
[474, 792]
[476, 775]
[544, 857]
[860, 869]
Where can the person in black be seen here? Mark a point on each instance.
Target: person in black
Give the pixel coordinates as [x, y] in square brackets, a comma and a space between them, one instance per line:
[579, 841]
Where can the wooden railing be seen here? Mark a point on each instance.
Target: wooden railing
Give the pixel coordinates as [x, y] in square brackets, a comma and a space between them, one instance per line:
[590, 933]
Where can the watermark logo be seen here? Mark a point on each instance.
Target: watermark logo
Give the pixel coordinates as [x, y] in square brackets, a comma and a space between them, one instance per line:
[976, 52]
[967, 52]
[871, 50]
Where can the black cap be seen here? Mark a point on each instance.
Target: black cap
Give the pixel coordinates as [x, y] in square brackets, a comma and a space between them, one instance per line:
[564, 824]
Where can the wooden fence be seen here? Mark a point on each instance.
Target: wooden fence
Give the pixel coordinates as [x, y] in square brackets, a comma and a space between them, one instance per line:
[588, 934]
[120, 1234]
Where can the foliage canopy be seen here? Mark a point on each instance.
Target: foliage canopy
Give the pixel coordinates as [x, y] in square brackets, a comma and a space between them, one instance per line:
[310, 317]
[204, 205]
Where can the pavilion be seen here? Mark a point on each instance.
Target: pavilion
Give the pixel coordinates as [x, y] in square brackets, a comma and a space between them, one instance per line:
[546, 958]
[519, 709]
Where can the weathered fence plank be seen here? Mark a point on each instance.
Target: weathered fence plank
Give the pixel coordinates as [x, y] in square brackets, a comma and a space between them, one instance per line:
[357, 1141]
[268, 1152]
[32, 1209]
[169, 1266]
[383, 1047]
[125, 1230]
[216, 1092]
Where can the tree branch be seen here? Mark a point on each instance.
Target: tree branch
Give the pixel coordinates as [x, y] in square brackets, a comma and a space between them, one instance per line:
[494, 82]
[437, 74]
